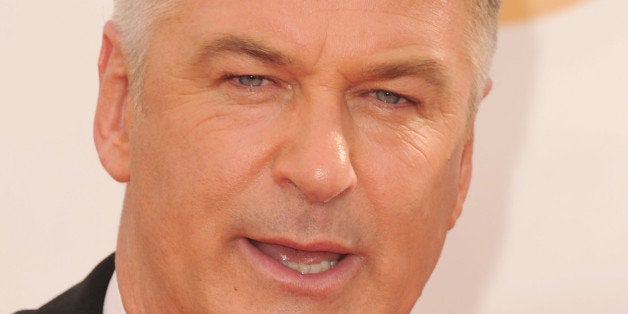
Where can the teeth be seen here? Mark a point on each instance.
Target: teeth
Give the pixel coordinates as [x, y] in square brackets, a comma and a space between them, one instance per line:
[310, 269]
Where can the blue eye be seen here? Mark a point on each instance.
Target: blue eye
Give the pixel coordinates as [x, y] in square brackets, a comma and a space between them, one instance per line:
[251, 80]
[387, 97]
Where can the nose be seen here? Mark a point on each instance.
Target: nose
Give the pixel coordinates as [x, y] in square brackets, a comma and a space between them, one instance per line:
[316, 156]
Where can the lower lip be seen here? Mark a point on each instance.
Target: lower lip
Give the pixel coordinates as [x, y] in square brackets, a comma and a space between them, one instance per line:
[323, 283]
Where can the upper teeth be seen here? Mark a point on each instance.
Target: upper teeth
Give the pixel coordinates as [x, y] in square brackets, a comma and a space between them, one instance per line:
[309, 268]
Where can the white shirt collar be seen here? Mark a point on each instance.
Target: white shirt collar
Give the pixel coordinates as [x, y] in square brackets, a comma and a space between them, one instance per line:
[113, 301]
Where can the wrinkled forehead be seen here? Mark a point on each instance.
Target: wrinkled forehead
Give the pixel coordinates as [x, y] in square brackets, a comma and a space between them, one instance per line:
[407, 8]
[360, 25]
[380, 5]
[371, 12]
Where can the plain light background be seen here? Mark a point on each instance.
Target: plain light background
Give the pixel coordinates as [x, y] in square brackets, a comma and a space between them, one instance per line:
[545, 228]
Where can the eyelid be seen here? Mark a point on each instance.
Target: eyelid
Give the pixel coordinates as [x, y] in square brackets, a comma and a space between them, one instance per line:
[403, 98]
[235, 77]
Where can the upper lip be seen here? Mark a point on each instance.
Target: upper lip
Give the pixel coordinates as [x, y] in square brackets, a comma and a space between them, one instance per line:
[311, 246]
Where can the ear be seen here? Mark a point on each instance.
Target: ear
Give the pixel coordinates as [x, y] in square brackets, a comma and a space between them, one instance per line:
[111, 124]
[466, 165]
[464, 178]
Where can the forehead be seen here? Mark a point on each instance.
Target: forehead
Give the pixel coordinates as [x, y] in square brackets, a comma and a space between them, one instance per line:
[359, 26]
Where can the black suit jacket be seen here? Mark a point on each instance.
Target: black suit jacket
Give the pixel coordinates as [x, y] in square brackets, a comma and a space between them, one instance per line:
[87, 297]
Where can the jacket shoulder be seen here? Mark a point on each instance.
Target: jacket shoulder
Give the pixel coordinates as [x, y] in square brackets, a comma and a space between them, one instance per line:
[86, 297]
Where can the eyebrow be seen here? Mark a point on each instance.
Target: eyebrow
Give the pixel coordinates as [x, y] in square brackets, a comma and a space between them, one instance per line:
[241, 45]
[434, 72]
[429, 69]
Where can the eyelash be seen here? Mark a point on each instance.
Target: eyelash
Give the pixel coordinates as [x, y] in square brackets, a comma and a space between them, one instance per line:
[237, 79]
[402, 102]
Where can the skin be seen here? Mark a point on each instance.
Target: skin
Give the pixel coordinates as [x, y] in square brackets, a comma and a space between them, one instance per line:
[312, 154]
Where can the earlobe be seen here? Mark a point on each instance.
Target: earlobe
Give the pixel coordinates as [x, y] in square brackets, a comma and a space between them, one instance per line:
[112, 120]
[464, 179]
[487, 88]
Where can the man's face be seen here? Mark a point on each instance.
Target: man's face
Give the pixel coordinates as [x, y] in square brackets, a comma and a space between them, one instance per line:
[332, 137]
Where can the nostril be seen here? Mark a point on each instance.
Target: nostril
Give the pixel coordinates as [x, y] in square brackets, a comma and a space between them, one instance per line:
[318, 184]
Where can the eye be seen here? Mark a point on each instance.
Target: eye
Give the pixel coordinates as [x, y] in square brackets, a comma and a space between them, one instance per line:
[387, 97]
[251, 80]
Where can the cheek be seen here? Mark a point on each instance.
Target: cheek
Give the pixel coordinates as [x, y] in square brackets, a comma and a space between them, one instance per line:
[412, 183]
[411, 196]
[187, 170]
[414, 165]
[185, 173]
[203, 143]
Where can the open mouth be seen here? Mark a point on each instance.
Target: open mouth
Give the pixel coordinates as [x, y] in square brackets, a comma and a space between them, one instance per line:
[316, 268]
[303, 261]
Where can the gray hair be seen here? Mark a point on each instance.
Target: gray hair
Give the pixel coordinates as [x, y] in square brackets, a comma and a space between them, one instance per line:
[482, 42]
[134, 20]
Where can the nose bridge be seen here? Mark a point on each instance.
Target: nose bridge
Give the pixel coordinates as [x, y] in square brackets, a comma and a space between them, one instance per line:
[316, 158]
